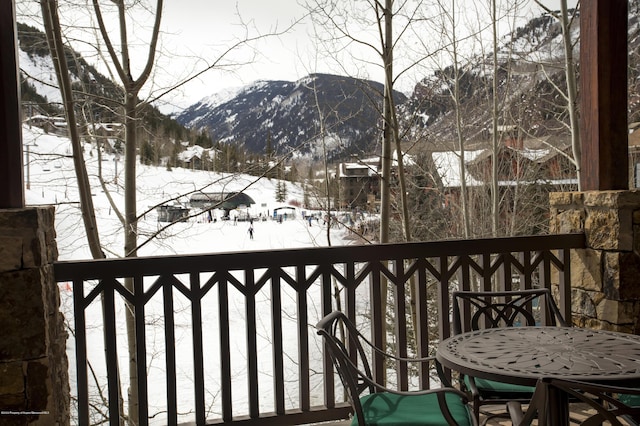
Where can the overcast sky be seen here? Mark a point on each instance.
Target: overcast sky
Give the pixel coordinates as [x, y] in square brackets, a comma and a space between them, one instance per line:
[196, 33]
[203, 29]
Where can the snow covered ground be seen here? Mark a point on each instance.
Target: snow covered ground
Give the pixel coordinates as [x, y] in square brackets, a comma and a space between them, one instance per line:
[50, 177]
[51, 180]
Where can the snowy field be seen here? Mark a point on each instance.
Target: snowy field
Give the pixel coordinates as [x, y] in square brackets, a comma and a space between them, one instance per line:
[51, 180]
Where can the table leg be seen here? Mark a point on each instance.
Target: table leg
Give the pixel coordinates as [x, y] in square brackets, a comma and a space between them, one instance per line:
[558, 403]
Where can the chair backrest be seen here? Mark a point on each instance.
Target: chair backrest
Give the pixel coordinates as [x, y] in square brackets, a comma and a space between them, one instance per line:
[604, 403]
[351, 368]
[474, 310]
[350, 352]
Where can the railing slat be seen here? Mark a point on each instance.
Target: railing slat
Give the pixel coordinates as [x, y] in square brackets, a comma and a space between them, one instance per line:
[276, 331]
[111, 345]
[225, 351]
[252, 346]
[401, 325]
[507, 272]
[327, 366]
[444, 325]
[378, 321]
[141, 350]
[82, 382]
[304, 389]
[198, 347]
[422, 317]
[170, 350]
[564, 285]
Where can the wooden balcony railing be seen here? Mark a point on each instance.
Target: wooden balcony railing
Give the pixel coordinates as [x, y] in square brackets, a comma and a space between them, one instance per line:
[229, 338]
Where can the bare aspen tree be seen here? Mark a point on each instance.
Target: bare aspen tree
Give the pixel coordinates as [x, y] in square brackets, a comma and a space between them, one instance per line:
[54, 38]
[371, 25]
[449, 31]
[321, 121]
[131, 86]
[385, 25]
[380, 18]
[571, 94]
[500, 13]
[53, 33]
[495, 139]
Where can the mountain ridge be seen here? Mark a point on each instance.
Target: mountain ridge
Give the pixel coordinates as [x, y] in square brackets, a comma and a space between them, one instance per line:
[338, 112]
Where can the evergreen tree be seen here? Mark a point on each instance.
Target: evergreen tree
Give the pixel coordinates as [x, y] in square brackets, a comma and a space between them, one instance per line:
[146, 153]
[281, 191]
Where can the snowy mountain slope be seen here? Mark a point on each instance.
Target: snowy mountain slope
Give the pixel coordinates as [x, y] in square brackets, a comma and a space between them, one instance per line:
[286, 115]
[530, 67]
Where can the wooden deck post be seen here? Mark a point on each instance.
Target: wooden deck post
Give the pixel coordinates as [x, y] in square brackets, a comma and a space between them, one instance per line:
[11, 190]
[603, 95]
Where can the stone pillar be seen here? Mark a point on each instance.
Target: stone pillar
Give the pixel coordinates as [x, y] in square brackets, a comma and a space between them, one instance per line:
[34, 380]
[605, 277]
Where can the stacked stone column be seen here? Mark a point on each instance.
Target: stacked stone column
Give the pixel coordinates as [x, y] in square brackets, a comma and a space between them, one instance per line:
[605, 277]
[34, 380]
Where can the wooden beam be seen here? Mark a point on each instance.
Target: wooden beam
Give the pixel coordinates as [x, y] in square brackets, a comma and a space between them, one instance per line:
[603, 95]
[11, 177]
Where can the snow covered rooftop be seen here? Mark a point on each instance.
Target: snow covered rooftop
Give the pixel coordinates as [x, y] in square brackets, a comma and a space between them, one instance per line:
[448, 166]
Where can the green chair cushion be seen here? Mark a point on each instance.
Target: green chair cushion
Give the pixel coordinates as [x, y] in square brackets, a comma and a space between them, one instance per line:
[494, 387]
[390, 409]
[630, 400]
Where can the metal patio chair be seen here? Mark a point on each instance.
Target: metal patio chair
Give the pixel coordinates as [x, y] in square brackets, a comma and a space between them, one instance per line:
[605, 403]
[374, 404]
[479, 310]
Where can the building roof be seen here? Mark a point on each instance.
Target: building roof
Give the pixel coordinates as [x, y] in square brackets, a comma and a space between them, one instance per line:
[221, 200]
[448, 166]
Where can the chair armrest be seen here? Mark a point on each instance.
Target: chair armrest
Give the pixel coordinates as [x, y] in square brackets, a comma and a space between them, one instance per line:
[392, 356]
[364, 379]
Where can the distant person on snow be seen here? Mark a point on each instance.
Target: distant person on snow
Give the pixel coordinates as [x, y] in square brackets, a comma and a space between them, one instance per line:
[251, 232]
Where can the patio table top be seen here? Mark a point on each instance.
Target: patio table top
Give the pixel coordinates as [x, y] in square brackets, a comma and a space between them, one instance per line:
[522, 355]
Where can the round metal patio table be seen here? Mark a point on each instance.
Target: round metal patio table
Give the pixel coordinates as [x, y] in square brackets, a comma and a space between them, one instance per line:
[522, 355]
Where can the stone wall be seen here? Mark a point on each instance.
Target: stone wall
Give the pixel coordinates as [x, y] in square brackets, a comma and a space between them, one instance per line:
[34, 381]
[605, 276]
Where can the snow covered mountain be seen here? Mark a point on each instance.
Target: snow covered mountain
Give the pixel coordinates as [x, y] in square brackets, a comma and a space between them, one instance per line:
[530, 68]
[342, 112]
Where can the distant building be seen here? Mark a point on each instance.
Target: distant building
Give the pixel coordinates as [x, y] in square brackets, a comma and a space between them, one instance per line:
[359, 182]
[527, 161]
[172, 214]
[54, 125]
[220, 200]
[196, 157]
[282, 212]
